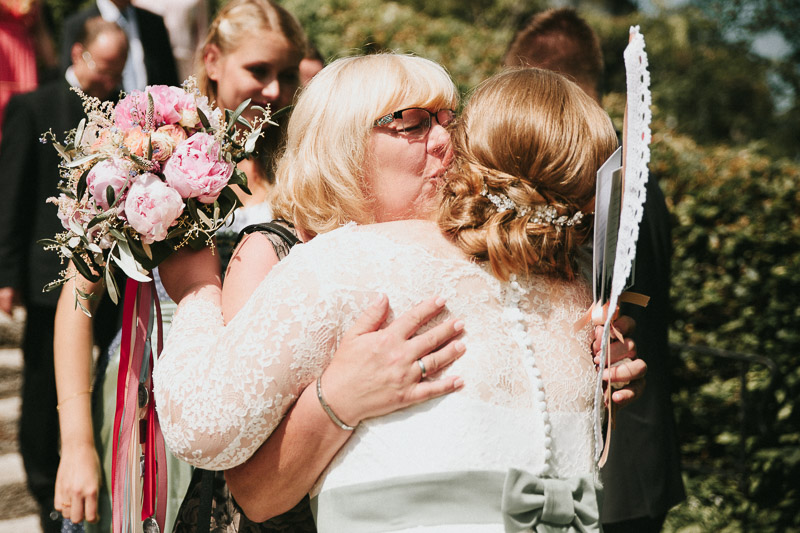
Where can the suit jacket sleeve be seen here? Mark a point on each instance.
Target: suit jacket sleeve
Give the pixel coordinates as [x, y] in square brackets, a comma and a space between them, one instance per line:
[17, 154]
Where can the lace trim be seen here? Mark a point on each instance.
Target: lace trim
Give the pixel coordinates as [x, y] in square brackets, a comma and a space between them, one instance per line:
[637, 156]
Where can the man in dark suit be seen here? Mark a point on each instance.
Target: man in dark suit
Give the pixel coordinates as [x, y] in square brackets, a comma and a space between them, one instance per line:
[29, 174]
[150, 59]
[641, 478]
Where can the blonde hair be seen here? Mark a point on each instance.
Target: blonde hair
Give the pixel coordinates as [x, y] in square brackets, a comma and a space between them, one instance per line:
[538, 139]
[238, 20]
[320, 177]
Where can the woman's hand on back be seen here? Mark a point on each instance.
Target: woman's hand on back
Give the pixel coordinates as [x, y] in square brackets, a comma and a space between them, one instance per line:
[376, 371]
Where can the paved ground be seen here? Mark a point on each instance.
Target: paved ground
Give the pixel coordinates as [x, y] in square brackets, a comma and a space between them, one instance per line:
[19, 509]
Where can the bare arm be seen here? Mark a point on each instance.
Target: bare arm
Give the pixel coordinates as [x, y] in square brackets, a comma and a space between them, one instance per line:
[78, 478]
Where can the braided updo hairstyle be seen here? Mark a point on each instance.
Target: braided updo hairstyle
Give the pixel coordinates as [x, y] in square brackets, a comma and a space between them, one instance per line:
[538, 139]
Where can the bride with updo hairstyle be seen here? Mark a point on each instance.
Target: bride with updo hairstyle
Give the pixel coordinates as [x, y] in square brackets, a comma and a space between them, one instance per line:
[514, 156]
[508, 445]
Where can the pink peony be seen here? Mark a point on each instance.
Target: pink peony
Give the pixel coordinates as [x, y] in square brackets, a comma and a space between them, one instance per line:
[107, 172]
[151, 207]
[168, 107]
[195, 169]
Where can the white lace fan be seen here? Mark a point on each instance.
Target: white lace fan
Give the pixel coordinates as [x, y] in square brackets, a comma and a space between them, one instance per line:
[636, 156]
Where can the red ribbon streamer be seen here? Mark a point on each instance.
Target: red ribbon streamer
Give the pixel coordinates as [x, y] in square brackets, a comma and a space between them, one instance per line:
[136, 317]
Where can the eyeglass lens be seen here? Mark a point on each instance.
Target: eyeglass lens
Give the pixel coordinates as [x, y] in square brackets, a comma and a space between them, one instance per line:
[416, 122]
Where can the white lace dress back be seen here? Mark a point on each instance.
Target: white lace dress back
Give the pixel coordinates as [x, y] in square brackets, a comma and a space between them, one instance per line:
[528, 395]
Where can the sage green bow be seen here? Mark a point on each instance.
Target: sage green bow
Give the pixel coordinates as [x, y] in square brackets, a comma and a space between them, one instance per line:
[547, 505]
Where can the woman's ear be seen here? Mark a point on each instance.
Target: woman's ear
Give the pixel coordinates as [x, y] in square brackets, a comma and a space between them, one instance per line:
[212, 56]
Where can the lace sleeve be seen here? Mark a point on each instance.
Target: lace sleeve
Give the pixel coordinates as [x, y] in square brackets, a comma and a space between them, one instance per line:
[221, 390]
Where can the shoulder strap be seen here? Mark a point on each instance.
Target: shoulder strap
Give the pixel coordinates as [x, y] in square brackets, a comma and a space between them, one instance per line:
[281, 228]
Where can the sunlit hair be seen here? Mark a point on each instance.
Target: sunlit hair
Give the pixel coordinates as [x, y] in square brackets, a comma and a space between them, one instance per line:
[537, 138]
[236, 23]
[561, 41]
[320, 178]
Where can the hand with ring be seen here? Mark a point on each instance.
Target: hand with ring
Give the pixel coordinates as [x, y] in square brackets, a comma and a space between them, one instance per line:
[378, 371]
[78, 482]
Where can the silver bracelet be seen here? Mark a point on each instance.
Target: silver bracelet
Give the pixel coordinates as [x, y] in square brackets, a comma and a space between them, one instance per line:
[331, 414]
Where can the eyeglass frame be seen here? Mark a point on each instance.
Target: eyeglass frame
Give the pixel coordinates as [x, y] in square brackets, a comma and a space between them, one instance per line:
[388, 118]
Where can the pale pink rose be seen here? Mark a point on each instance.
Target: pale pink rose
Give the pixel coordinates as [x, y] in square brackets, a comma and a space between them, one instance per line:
[107, 172]
[101, 140]
[151, 207]
[177, 133]
[136, 141]
[163, 145]
[195, 169]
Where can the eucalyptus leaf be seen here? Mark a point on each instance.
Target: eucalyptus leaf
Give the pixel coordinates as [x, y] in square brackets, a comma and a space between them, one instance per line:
[79, 132]
[243, 121]
[76, 228]
[111, 286]
[118, 235]
[250, 143]
[53, 285]
[235, 116]
[175, 232]
[83, 308]
[128, 263]
[110, 196]
[81, 160]
[280, 113]
[203, 119]
[80, 189]
[62, 152]
[84, 269]
[207, 222]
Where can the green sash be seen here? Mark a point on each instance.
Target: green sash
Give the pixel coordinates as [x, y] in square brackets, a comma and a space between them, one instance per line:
[517, 499]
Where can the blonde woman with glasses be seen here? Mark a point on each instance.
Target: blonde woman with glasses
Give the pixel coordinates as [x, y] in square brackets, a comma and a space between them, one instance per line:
[366, 178]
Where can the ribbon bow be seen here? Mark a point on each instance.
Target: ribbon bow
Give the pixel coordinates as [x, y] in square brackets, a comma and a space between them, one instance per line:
[547, 505]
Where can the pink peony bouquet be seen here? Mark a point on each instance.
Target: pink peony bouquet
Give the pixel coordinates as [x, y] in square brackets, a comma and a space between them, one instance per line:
[147, 176]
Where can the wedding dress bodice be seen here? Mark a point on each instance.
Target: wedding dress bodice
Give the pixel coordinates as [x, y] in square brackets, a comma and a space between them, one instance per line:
[221, 391]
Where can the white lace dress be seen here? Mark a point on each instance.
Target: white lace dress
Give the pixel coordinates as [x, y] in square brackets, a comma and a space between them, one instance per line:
[529, 378]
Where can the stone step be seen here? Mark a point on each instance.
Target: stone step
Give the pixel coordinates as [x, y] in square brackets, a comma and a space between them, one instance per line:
[11, 469]
[11, 358]
[25, 524]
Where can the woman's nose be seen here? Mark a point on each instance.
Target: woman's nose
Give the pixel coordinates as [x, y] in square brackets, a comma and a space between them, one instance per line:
[272, 90]
[439, 142]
